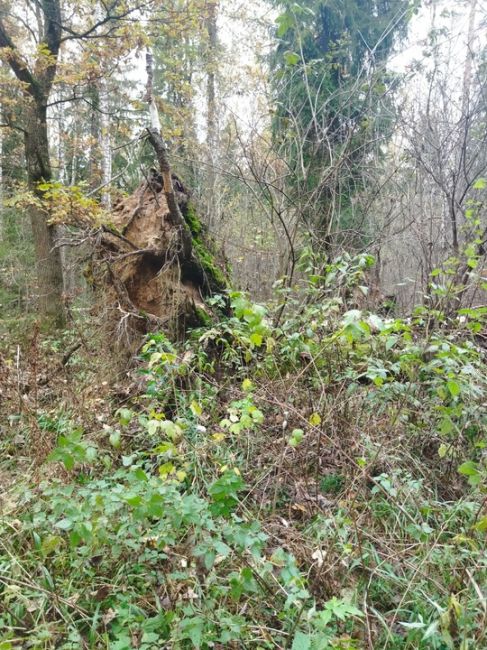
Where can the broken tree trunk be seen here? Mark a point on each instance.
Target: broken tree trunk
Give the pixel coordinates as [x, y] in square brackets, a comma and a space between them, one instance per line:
[175, 215]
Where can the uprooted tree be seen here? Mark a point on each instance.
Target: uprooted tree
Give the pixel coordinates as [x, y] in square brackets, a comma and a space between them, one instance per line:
[153, 265]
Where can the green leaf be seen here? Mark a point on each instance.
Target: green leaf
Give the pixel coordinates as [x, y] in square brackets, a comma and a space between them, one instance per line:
[481, 525]
[170, 428]
[64, 524]
[446, 426]
[442, 450]
[133, 500]
[391, 342]
[480, 184]
[115, 439]
[285, 21]
[301, 641]
[196, 408]
[376, 323]
[152, 426]
[166, 469]
[166, 448]
[140, 475]
[124, 416]
[453, 387]
[469, 468]
[50, 544]
[192, 628]
[68, 461]
[291, 58]
[256, 339]
[296, 437]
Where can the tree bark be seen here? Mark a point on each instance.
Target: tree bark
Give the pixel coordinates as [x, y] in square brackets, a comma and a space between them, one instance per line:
[2, 224]
[95, 164]
[37, 84]
[106, 142]
[48, 256]
[211, 123]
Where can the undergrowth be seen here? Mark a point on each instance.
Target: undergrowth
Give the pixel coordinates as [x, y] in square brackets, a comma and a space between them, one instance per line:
[316, 483]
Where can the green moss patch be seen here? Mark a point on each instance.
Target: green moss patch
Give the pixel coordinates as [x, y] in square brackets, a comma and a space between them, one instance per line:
[214, 277]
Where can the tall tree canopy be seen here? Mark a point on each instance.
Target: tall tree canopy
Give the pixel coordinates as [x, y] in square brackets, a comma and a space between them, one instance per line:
[332, 94]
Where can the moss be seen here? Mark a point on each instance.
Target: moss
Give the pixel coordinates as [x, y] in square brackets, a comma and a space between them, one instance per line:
[192, 220]
[214, 276]
[203, 317]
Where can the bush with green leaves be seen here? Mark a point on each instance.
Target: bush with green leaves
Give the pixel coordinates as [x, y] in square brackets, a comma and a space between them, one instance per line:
[309, 482]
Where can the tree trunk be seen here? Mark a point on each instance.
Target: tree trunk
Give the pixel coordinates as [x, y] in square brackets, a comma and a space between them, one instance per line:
[94, 167]
[2, 224]
[106, 153]
[48, 257]
[211, 124]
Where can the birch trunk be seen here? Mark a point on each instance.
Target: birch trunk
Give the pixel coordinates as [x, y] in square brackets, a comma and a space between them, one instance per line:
[212, 122]
[106, 145]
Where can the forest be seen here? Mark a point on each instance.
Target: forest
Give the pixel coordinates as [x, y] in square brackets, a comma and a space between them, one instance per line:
[243, 324]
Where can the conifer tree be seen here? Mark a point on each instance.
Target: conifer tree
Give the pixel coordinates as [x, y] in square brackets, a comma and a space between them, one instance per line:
[332, 92]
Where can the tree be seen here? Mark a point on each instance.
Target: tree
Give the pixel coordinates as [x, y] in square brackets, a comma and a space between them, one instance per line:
[211, 110]
[332, 94]
[436, 194]
[36, 77]
[37, 83]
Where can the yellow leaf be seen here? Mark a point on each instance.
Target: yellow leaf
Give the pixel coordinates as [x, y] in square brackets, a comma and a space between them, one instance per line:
[315, 419]
[167, 468]
[247, 385]
[455, 605]
[196, 408]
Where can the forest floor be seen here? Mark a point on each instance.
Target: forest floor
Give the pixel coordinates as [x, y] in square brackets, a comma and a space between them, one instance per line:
[314, 484]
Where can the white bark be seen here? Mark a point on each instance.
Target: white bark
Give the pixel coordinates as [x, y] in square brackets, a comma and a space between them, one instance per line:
[211, 117]
[467, 72]
[106, 149]
[155, 122]
[61, 154]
